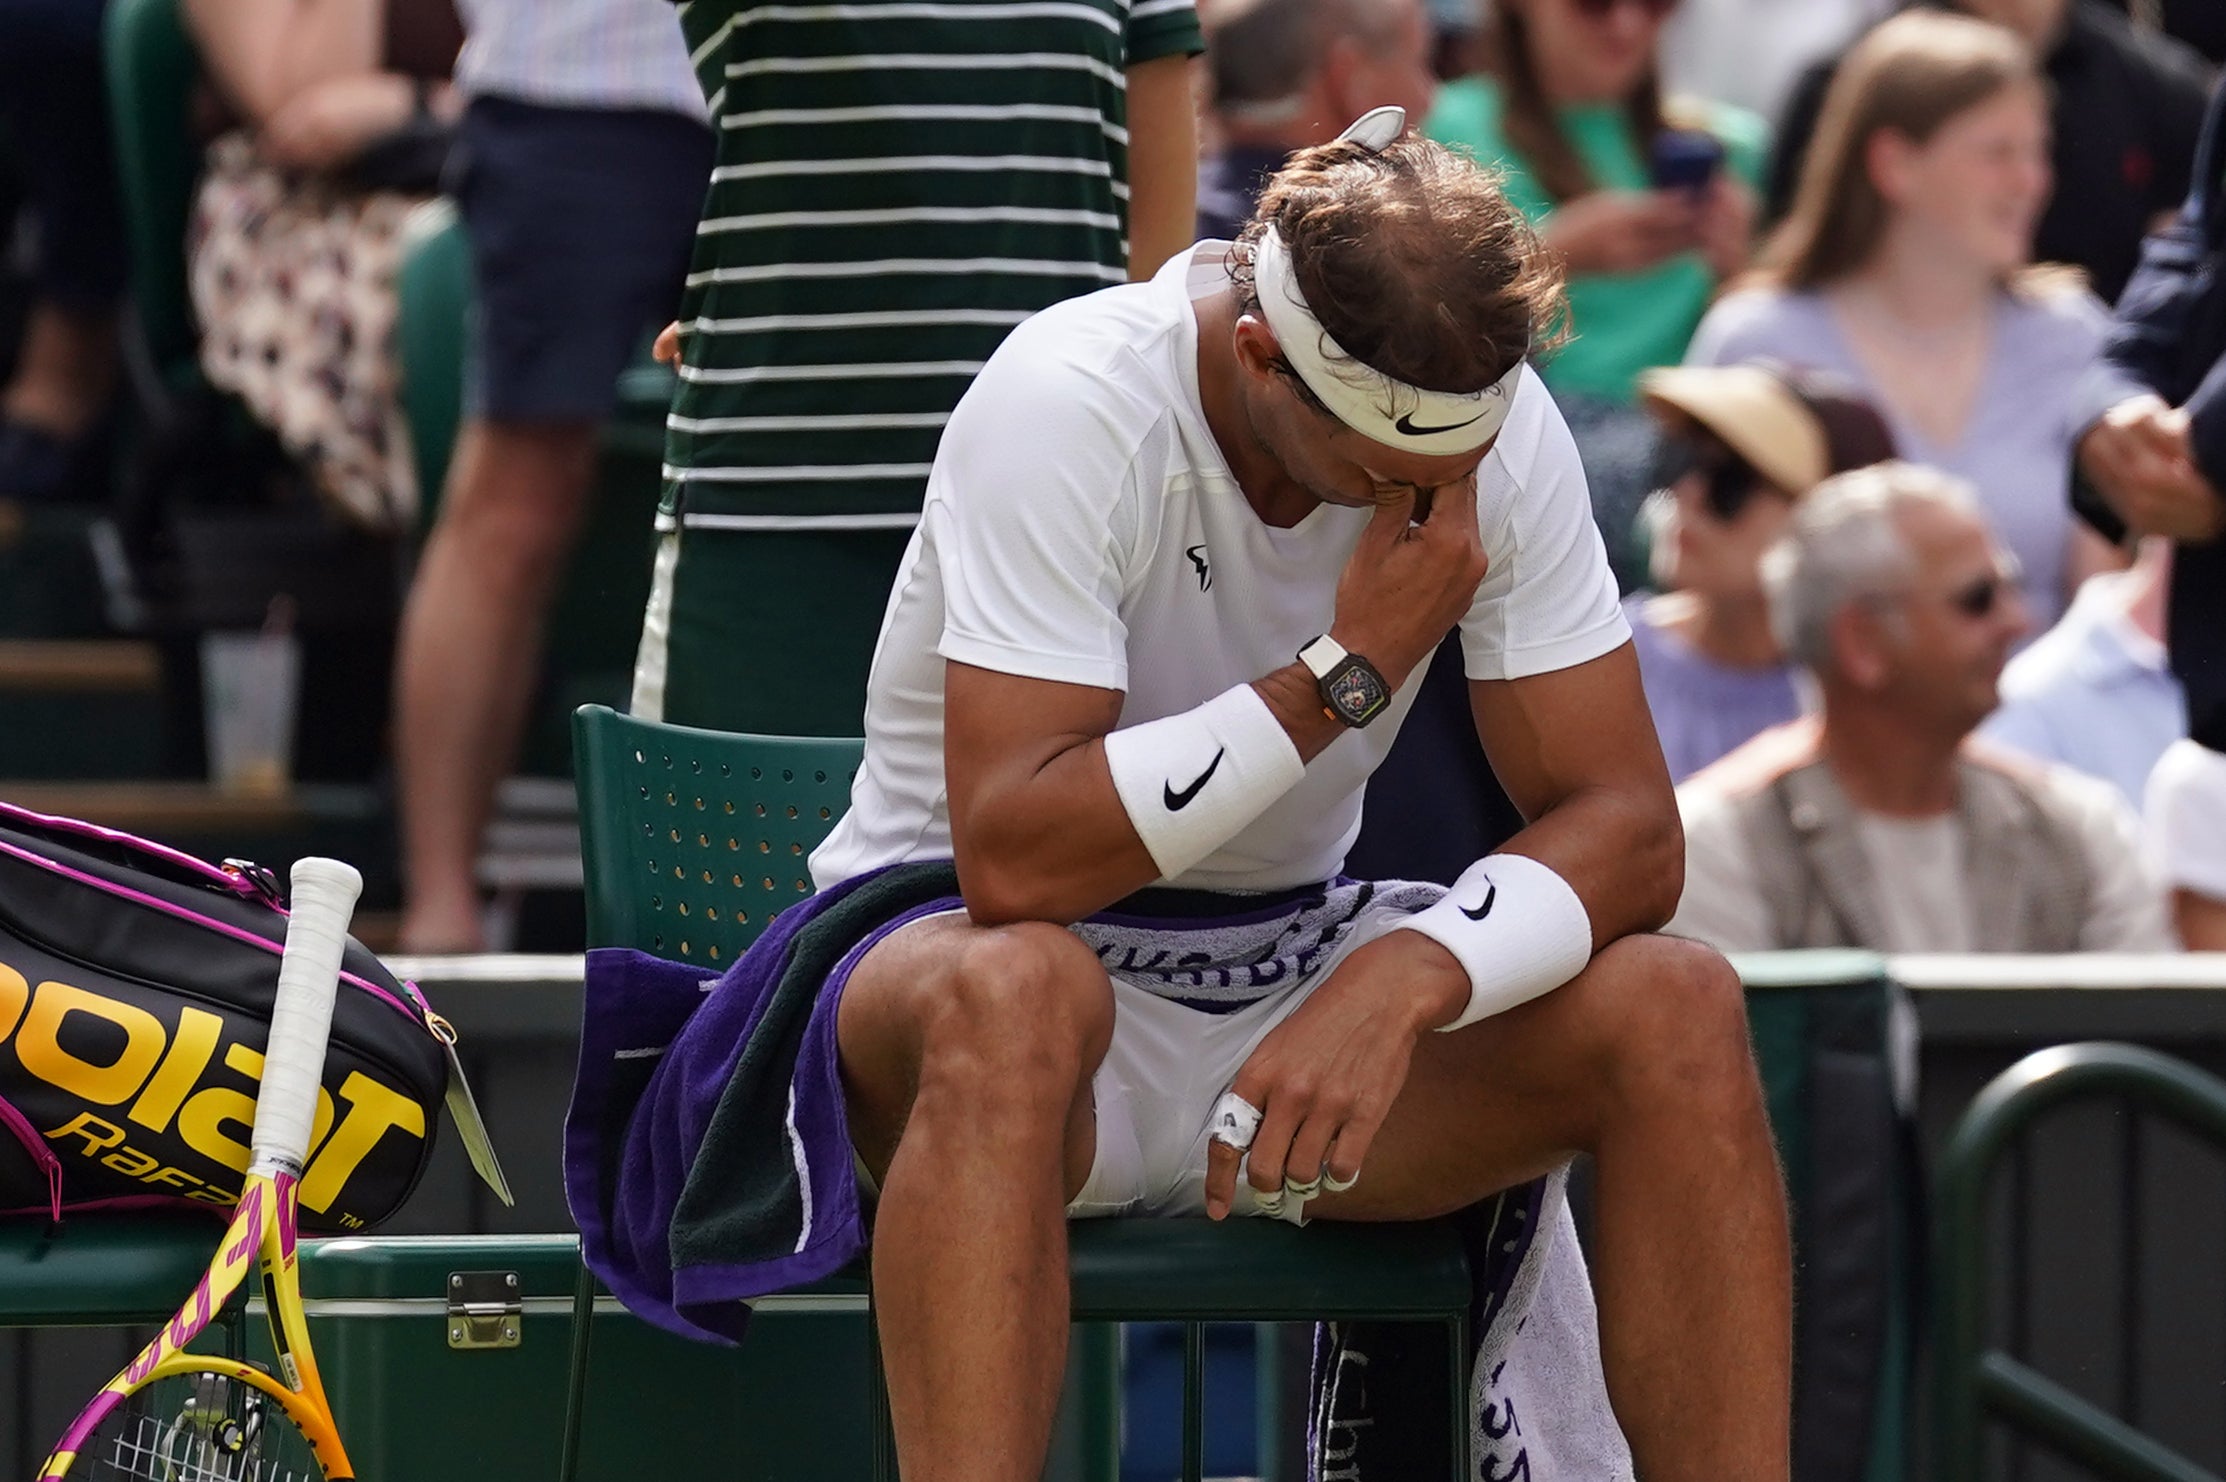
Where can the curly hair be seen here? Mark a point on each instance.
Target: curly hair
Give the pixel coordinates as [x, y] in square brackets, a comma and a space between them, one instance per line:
[1412, 259]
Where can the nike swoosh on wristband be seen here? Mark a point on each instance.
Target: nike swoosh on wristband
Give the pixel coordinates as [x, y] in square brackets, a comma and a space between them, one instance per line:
[1490, 894]
[1177, 801]
[1406, 424]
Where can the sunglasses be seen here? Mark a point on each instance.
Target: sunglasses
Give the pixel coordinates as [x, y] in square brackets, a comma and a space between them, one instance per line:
[1600, 10]
[1976, 599]
[1731, 481]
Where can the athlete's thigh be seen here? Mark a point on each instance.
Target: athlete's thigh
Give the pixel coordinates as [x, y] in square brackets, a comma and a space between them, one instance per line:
[1038, 986]
[1503, 1101]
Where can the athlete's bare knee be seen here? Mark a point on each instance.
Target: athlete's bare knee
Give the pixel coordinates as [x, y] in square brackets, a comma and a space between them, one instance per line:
[1679, 1023]
[1023, 1012]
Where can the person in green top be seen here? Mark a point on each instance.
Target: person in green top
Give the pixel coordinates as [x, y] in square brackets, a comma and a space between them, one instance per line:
[1574, 116]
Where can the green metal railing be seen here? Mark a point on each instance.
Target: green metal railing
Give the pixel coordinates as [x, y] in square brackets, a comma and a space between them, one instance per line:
[1976, 1383]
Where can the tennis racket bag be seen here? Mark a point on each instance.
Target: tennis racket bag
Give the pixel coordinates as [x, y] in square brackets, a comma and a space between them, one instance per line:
[136, 985]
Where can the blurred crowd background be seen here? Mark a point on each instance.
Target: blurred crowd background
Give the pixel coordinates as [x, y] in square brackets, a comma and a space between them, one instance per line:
[337, 463]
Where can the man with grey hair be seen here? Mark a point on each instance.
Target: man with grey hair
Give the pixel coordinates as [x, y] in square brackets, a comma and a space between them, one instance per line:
[1288, 73]
[1876, 821]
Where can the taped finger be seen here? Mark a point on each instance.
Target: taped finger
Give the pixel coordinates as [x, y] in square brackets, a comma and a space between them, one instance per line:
[1234, 1122]
[1336, 1185]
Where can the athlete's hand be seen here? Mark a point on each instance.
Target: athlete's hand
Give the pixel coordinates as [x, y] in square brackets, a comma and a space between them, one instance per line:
[1325, 1077]
[1406, 584]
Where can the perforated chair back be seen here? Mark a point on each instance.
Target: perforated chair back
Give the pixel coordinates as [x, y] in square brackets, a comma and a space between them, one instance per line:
[694, 840]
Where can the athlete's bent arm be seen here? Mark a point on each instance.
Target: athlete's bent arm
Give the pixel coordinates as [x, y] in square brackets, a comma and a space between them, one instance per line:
[1038, 831]
[1576, 750]
[1040, 827]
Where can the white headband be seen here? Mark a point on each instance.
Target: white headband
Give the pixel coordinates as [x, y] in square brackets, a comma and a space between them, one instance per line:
[1371, 403]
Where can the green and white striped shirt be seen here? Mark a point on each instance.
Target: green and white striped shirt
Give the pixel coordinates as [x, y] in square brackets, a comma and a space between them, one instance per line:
[899, 183]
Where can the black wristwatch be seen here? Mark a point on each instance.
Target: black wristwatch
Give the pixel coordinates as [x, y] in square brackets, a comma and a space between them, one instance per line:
[1352, 689]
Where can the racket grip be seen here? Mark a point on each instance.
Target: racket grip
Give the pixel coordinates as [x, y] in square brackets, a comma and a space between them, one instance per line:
[324, 899]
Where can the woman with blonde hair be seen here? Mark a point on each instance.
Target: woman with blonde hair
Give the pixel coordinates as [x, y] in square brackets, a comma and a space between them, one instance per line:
[1906, 265]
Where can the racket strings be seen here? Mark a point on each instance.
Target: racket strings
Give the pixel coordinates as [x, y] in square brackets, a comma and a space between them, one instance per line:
[201, 1427]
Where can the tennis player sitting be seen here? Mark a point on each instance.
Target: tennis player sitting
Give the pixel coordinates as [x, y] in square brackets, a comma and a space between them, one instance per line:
[1185, 545]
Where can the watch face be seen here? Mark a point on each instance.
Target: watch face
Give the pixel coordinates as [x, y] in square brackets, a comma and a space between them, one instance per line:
[1356, 692]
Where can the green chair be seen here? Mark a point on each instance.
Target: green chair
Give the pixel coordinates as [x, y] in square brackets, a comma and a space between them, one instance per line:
[694, 839]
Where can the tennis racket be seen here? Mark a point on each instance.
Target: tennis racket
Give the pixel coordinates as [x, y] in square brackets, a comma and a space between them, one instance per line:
[174, 1416]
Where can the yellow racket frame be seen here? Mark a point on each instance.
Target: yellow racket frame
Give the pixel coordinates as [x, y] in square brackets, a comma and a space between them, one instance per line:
[263, 1233]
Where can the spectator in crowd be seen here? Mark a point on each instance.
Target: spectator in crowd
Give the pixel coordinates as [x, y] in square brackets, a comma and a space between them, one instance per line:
[584, 163]
[1742, 445]
[1906, 266]
[297, 231]
[1574, 113]
[2186, 822]
[2094, 692]
[894, 191]
[1289, 73]
[2125, 104]
[54, 112]
[2156, 456]
[2153, 451]
[1877, 823]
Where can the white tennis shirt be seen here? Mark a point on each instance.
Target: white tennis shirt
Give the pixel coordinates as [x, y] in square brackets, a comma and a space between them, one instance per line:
[1082, 526]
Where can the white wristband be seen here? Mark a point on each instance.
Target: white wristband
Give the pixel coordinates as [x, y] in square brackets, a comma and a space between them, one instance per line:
[1191, 781]
[1516, 928]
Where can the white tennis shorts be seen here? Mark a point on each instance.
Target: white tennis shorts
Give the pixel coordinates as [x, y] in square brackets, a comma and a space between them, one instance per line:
[1167, 1066]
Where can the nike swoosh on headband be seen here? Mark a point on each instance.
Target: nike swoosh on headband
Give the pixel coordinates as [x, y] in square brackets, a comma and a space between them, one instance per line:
[1407, 425]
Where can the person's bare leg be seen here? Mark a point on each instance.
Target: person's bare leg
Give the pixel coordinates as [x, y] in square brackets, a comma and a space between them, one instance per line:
[967, 1055]
[469, 655]
[1643, 1061]
[65, 370]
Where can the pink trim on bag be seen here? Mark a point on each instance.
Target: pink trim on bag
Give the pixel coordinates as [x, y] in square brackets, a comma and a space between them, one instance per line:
[132, 1204]
[236, 884]
[40, 1153]
[212, 924]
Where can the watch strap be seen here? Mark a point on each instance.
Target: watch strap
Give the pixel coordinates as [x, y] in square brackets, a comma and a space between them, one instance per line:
[1322, 655]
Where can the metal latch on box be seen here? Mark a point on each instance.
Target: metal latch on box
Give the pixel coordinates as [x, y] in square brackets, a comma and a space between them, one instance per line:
[485, 1309]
